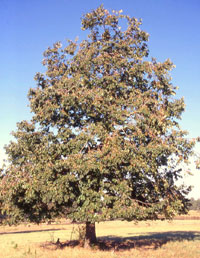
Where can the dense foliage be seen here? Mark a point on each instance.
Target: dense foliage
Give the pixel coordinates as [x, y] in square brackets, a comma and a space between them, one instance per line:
[104, 141]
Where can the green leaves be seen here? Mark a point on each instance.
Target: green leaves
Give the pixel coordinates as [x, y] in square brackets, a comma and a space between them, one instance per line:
[104, 141]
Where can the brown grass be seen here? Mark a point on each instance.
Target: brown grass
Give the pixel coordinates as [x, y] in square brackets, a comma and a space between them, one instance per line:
[192, 215]
[178, 238]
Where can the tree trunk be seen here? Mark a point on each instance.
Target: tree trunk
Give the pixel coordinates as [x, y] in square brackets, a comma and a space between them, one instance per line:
[90, 234]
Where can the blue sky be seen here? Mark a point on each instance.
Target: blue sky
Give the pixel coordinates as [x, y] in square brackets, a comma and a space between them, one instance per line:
[29, 27]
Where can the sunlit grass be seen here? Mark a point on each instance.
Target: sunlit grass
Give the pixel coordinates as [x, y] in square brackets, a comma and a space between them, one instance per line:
[178, 238]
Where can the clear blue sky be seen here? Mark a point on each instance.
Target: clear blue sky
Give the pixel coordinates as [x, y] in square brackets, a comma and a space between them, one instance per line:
[29, 27]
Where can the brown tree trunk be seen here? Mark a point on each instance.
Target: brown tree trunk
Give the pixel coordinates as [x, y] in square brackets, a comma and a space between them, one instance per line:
[90, 235]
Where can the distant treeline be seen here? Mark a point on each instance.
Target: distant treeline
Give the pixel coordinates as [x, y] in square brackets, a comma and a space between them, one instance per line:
[195, 204]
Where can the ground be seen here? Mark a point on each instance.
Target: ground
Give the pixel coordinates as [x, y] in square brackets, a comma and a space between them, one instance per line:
[178, 238]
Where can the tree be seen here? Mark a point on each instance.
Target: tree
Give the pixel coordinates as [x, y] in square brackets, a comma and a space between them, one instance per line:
[195, 204]
[104, 141]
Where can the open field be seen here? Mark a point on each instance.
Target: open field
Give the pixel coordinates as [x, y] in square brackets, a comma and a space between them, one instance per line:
[192, 215]
[178, 238]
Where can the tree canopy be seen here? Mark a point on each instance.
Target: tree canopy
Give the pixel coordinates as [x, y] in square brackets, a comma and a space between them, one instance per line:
[104, 141]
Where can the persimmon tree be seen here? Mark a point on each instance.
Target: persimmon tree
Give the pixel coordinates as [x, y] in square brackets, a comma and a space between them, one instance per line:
[104, 141]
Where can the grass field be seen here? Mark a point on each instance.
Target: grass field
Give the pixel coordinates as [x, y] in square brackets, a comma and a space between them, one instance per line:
[178, 238]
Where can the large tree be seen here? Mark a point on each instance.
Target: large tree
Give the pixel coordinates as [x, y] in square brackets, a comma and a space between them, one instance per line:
[104, 141]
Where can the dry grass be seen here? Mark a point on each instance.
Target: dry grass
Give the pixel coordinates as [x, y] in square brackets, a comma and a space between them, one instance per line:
[192, 215]
[179, 238]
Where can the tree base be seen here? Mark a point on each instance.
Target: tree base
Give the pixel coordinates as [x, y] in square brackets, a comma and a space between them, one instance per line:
[90, 235]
